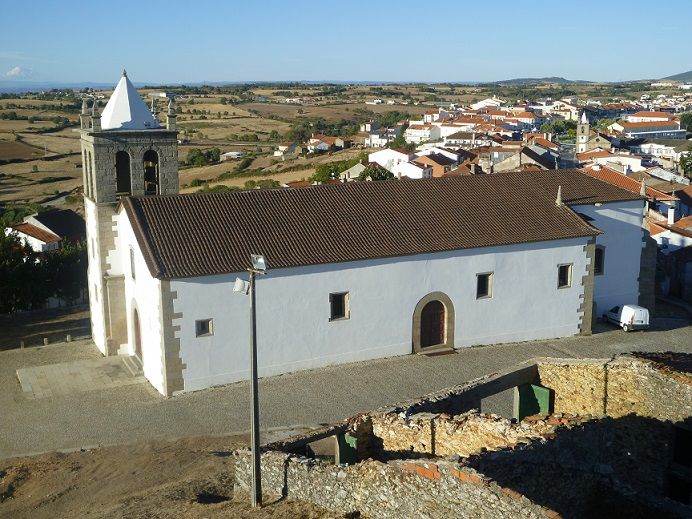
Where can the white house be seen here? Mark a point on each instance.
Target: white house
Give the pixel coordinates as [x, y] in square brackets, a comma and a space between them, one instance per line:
[390, 157]
[412, 170]
[437, 264]
[487, 103]
[46, 231]
[230, 155]
[286, 150]
[417, 133]
[671, 236]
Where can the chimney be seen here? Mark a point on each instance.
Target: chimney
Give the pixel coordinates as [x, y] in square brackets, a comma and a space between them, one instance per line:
[671, 215]
[558, 200]
[642, 190]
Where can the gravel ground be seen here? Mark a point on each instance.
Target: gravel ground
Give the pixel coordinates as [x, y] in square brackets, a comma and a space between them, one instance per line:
[139, 413]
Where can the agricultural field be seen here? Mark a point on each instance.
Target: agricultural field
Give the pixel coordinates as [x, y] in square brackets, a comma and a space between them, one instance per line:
[40, 161]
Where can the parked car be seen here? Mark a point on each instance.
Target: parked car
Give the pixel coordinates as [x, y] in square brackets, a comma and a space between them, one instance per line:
[629, 317]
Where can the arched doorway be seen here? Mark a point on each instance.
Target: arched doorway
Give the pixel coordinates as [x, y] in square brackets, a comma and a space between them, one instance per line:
[433, 323]
[151, 172]
[137, 333]
[123, 183]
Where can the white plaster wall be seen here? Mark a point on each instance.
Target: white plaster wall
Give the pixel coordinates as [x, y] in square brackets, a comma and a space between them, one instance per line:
[621, 223]
[387, 158]
[33, 243]
[95, 277]
[675, 241]
[294, 331]
[407, 169]
[144, 293]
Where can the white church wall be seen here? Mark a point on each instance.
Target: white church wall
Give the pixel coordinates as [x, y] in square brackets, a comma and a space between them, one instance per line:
[294, 330]
[98, 322]
[143, 293]
[621, 223]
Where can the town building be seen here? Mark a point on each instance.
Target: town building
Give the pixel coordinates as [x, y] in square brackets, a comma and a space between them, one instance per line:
[50, 230]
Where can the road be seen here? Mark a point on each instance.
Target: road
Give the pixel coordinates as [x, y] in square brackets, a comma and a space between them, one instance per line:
[137, 412]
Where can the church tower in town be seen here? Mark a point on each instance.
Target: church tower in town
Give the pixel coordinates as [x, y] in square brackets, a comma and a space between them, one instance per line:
[583, 130]
[125, 152]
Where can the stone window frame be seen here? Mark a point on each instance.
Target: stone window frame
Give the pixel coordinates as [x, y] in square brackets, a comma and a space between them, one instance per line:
[489, 292]
[450, 320]
[346, 306]
[204, 327]
[596, 270]
[570, 267]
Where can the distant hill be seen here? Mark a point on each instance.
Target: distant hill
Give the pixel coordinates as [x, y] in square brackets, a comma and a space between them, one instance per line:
[537, 81]
[685, 76]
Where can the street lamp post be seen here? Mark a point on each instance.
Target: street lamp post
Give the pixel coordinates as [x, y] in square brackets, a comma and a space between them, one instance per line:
[259, 266]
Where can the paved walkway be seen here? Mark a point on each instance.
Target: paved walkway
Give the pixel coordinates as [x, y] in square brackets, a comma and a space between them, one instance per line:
[67, 378]
[136, 412]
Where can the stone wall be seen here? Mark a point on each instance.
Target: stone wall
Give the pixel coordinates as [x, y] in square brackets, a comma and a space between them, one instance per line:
[647, 388]
[460, 435]
[579, 385]
[388, 490]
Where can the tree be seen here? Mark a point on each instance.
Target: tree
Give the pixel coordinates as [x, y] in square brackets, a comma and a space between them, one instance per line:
[603, 124]
[274, 135]
[375, 172]
[686, 162]
[686, 121]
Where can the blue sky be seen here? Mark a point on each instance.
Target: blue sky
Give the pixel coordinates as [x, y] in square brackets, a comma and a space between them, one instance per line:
[399, 40]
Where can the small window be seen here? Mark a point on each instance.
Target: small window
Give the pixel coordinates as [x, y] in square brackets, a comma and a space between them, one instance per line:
[338, 304]
[564, 276]
[204, 327]
[599, 260]
[484, 285]
[132, 263]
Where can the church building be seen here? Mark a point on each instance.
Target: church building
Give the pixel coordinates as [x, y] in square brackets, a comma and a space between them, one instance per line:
[588, 139]
[355, 271]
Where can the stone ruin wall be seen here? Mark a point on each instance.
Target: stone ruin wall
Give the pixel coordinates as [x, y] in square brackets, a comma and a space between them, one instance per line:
[618, 387]
[436, 464]
[388, 490]
[461, 435]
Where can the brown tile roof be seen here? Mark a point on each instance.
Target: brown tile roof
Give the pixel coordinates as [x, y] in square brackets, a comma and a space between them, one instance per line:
[685, 195]
[652, 124]
[652, 114]
[618, 179]
[36, 232]
[214, 233]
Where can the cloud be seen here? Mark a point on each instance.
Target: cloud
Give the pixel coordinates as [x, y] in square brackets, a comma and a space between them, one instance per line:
[17, 72]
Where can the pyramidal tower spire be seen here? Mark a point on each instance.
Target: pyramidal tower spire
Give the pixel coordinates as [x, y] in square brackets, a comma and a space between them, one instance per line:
[126, 110]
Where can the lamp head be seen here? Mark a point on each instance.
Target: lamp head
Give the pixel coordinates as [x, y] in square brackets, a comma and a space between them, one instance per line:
[241, 286]
[258, 262]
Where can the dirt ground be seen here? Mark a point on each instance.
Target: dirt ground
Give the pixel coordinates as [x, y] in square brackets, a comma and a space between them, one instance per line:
[191, 478]
[32, 327]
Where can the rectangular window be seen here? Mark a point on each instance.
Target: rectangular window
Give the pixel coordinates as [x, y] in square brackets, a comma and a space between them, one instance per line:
[338, 305]
[564, 276]
[132, 263]
[204, 327]
[484, 285]
[599, 260]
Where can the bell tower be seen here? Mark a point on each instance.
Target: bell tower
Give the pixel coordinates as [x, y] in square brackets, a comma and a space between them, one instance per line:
[125, 152]
[583, 130]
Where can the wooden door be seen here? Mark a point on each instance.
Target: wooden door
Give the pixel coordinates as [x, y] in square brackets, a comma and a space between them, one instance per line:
[432, 324]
